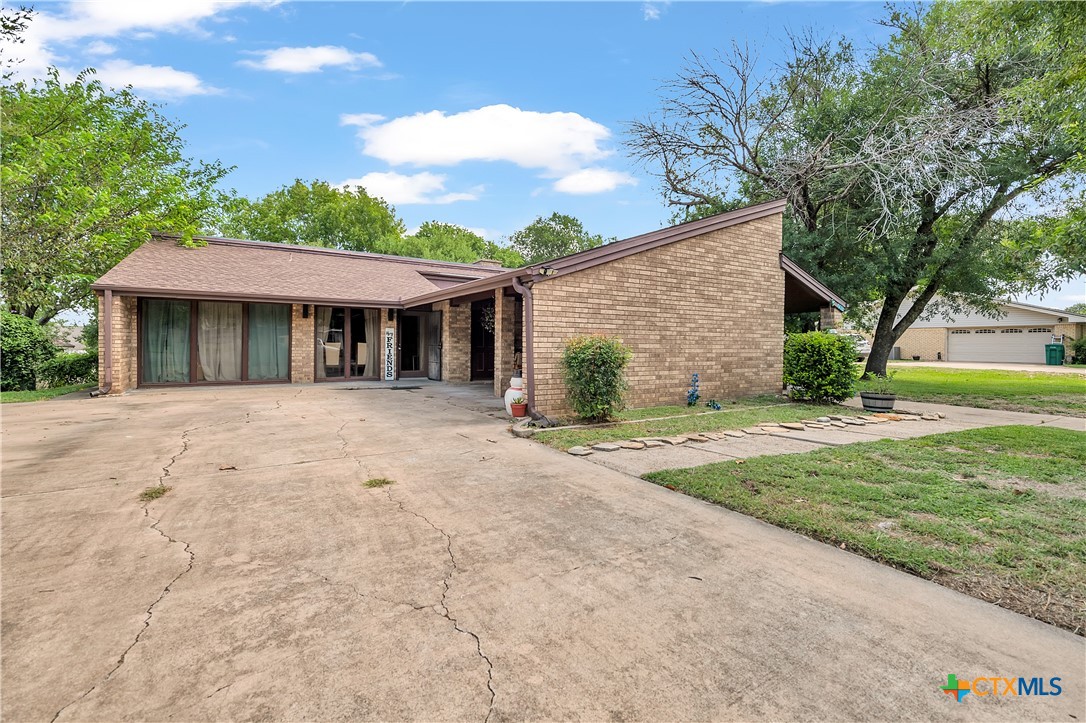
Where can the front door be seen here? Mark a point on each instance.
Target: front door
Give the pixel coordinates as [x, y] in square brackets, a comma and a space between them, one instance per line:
[482, 340]
[433, 344]
[412, 345]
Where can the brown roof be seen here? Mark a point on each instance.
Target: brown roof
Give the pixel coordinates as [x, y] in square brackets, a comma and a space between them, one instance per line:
[229, 268]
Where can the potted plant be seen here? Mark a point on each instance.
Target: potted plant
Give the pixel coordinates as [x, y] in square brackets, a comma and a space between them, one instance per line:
[519, 407]
[877, 392]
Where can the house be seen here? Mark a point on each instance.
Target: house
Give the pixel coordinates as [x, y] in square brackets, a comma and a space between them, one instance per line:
[708, 296]
[1016, 335]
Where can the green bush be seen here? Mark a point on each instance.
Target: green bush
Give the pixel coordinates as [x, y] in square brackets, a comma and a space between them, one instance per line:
[1078, 348]
[593, 367]
[820, 367]
[24, 346]
[65, 369]
[90, 336]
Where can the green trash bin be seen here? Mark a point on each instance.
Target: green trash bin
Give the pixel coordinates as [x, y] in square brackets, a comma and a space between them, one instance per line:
[1054, 355]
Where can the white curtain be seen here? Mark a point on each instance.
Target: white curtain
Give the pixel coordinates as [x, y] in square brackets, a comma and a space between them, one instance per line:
[324, 321]
[218, 341]
[374, 342]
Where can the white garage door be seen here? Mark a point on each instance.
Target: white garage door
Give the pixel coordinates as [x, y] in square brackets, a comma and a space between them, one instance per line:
[1015, 344]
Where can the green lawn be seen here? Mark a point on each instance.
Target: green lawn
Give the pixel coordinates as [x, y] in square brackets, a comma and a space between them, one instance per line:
[40, 395]
[745, 413]
[997, 513]
[1013, 391]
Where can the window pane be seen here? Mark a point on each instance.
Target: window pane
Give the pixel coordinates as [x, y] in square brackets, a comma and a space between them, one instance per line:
[269, 340]
[218, 341]
[165, 341]
[330, 356]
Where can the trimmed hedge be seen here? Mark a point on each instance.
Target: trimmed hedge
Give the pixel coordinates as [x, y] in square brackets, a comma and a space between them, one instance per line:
[24, 346]
[1078, 349]
[820, 367]
[65, 369]
[594, 370]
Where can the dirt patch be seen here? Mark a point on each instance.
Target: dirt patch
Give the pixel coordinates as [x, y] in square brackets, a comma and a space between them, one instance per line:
[1045, 604]
[1063, 491]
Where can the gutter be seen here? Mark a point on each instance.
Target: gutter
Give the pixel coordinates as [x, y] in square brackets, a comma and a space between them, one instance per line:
[529, 362]
[107, 344]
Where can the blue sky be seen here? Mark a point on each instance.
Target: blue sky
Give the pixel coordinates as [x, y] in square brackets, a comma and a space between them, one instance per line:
[484, 114]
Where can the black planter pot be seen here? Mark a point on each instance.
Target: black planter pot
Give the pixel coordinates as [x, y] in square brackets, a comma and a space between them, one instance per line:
[878, 402]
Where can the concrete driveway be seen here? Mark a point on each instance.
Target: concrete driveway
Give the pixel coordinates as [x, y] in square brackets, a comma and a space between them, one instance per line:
[993, 366]
[495, 580]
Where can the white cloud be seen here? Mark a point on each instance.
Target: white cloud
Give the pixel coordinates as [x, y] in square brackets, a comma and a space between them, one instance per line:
[360, 119]
[100, 47]
[558, 143]
[311, 59]
[593, 180]
[650, 11]
[157, 80]
[404, 189]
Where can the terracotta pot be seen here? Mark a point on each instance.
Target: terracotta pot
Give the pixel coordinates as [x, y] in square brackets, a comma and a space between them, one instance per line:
[519, 410]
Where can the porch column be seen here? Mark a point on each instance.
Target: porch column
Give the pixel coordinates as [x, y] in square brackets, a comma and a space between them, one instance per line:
[455, 340]
[504, 308]
[829, 318]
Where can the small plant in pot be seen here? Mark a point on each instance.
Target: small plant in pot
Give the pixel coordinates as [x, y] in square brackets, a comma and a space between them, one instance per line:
[519, 407]
[877, 392]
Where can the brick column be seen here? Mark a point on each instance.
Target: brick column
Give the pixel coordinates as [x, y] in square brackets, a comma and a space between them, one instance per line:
[125, 351]
[504, 308]
[455, 341]
[829, 318]
[302, 344]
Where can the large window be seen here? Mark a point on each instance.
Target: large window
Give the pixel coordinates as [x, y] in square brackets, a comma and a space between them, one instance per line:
[204, 342]
[348, 343]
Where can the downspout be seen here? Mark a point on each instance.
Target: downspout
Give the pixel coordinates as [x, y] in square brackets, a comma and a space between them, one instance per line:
[529, 363]
[107, 344]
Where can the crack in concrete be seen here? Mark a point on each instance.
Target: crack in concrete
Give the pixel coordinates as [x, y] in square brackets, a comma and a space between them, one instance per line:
[149, 613]
[445, 612]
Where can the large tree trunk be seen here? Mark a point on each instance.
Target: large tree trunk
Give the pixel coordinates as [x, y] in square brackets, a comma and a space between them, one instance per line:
[883, 343]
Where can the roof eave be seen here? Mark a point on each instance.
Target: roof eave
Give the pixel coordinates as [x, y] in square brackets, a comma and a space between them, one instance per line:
[812, 284]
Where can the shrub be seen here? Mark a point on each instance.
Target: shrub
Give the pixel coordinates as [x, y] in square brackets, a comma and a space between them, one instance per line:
[820, 367]
[24, 346]
[1078, 348]
[90, 336]
[65, 369]
[593, 367]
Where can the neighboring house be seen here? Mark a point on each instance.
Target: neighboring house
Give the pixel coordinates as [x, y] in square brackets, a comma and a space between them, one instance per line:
[1017, 335]
[707, 296]
[70, 339]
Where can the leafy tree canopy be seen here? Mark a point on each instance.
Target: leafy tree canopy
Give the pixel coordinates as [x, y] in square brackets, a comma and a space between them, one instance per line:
[317, 214]
[553, 236]
[87, 173]
[947, 166]
[449, 242]
[1076, 309]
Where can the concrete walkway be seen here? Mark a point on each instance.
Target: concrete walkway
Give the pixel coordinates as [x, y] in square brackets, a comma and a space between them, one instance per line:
[784, 441]
[992, 366]
[496, 580]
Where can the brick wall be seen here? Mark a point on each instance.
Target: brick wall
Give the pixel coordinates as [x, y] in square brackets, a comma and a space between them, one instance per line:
[302, 345]
[830, 318]
[926, 343]
[1070, 333]
[455, 341]
[712, 304]
[125, 343]
[504, 308]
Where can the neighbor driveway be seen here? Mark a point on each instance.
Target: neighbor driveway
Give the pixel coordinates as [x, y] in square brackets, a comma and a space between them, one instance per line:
[496, 579]
[993, 366]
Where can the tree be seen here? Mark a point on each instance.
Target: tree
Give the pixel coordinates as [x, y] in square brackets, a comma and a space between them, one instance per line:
[1076, 309]
[86, 174]
[449, 242]
[317, 214]
[13, 23]
[554, 236]
[903, 169]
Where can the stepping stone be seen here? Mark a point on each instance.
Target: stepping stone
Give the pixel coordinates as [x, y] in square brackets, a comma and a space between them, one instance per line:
[606, 447]
[648, 439]
[793, 425]
[852, 421]
[878, 420]
[940, 415]
[835, 417]
[823, 420]
[579, 451]
[816, 425]
[632, 445]
[769, 425]
[676, 441]
[929, 418]
[910, 418]
[838, 424]
[755, 430]
[711, 436]
[653, 443]
[696, 437]
[735, 433]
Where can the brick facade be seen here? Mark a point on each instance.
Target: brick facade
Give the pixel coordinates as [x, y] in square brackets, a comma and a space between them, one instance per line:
[711, 304]
[504, 309]
[1070, 333]
[928, 344]
[830, 318]
[125, 343]
[455, 341]
[302, 345]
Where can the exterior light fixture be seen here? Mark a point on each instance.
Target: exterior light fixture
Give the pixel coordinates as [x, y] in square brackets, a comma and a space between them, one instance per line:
[547, 271]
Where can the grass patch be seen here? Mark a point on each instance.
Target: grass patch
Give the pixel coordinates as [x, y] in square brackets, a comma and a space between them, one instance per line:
[377, 482]
[153, 493]
[764, 400]
[40, 395]
[991, 389]
[726, 419]
[997, 513]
